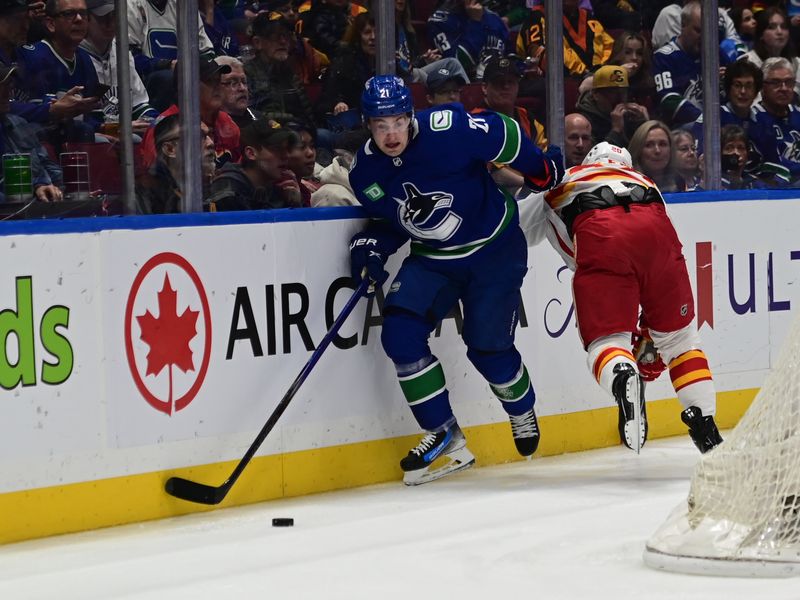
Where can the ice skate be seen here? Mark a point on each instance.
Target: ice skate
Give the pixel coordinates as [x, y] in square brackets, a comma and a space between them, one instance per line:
[438, 454]
[702, 430]
[525, 429]
[629, 393]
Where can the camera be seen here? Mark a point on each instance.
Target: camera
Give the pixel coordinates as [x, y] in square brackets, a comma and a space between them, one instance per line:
[729, 162]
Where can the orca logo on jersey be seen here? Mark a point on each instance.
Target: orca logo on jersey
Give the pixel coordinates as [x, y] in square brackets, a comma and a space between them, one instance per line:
[425, 215]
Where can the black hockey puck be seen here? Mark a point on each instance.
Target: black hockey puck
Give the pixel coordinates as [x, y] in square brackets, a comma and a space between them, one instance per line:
[282, 522]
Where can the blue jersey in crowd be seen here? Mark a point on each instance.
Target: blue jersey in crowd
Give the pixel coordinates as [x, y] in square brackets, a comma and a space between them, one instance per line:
[471, 42]
[679, 83]
[44, 74]
[438, 192]
[777, 141]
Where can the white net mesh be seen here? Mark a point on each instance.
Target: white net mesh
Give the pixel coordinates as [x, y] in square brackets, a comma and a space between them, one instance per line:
[743, 512]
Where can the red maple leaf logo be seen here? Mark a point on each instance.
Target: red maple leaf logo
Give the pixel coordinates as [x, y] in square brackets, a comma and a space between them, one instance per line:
[168, 336]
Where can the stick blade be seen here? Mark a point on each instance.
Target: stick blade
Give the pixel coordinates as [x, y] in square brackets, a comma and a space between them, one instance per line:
[192, 491]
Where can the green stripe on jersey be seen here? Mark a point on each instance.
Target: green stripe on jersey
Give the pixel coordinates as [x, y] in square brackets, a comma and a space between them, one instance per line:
[514, 390]
[511, 144]
[420, 249]
[424, 385]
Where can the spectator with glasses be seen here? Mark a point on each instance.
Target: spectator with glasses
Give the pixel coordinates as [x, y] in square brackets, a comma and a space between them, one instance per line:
[775, 125]
[58, 85]
[235, 93]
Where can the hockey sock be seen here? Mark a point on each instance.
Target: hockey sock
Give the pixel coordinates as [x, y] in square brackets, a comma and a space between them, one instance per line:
[424, 387]
[692, 381]
[517, 395]
[603, 359]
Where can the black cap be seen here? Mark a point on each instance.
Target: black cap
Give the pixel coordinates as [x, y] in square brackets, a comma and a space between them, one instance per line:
[210, 67]
[267, 24]
[100, 7]
[261, 133]
[10, 7]
[438, 78]
[501, 66]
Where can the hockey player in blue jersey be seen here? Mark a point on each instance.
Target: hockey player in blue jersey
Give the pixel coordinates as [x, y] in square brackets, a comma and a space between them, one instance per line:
[423, 178]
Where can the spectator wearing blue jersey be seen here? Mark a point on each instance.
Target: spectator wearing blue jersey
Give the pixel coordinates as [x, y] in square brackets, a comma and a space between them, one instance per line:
[772, 40]
[100, 45]
[735, 147]
[677, 71]
[466, 245]
[466, 30]
[18, 137]
[58, 82]
[14, 24]
[775, 126]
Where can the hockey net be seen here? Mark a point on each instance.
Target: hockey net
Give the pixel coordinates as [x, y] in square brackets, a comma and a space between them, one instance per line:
[742, 516]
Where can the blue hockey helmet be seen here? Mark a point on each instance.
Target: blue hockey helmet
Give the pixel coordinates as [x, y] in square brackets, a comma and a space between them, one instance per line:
[384, 96]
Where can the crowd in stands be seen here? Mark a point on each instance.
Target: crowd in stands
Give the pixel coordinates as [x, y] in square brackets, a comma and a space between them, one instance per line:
[280, 85]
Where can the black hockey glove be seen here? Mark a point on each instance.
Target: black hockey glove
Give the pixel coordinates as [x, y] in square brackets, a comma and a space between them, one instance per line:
[554, 170]
[367, 261]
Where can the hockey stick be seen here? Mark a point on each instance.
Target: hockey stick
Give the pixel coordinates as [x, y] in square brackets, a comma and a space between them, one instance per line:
[209, 494]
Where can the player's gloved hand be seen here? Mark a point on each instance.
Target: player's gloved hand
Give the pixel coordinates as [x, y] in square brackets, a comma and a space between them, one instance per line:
[367, 260]
[648, 360]
[554, 166]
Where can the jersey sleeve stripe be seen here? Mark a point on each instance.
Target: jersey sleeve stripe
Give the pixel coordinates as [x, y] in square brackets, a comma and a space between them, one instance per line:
[511, 143]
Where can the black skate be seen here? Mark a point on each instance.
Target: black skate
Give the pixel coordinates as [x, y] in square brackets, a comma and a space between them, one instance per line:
[447, 449]
[702, 430]
[628, 391]
[525, 429]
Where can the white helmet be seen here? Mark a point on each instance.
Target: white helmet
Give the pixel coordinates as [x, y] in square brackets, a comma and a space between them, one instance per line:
[605, 152]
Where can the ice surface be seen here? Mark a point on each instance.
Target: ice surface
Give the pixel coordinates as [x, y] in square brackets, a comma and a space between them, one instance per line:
[568, 527]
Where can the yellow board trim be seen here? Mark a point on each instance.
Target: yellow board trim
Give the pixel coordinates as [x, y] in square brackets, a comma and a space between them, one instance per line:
[94, 504]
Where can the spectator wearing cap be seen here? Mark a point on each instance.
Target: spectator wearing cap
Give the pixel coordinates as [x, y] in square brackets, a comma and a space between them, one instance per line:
[444, 86]
[153, 38]
[307, 62]
[99, 43]
[158, 191]
[217, 28]
[236, 94]
[606, 106]
[275, 88]
[500, 89]
[58, 89]
[224, 130]
[18, 137]
[261, 180]
[14, 24]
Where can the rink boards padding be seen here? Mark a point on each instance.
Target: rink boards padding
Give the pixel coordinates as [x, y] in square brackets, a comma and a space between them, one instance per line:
[140, 348]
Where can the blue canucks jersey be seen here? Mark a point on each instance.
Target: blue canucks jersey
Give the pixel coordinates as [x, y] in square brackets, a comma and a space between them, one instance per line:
[44, 73]
[438, 192]
[471, 42]
[679, 83]
[727, 116]
[777, 142]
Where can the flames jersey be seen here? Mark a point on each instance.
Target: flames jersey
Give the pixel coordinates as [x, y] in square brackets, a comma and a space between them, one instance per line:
[438, 192]
[539, 213]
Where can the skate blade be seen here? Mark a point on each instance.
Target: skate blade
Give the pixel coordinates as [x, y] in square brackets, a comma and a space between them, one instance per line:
[450, 463]
[635, 435]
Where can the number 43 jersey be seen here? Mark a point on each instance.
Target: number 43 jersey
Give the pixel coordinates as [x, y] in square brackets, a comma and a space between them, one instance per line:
[438, 191]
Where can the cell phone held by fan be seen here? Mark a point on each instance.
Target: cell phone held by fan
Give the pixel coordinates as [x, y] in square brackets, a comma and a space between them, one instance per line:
[98, 90]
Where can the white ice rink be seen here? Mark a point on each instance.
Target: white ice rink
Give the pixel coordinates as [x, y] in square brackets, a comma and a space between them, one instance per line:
[568, 527]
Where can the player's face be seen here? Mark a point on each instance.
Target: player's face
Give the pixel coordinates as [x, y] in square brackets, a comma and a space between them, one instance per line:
[656, 152]
[743, 92]
[778, 88]
[776, 35]
[391, 134]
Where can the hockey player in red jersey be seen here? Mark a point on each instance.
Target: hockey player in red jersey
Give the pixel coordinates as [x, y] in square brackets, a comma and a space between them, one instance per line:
[610, 225]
